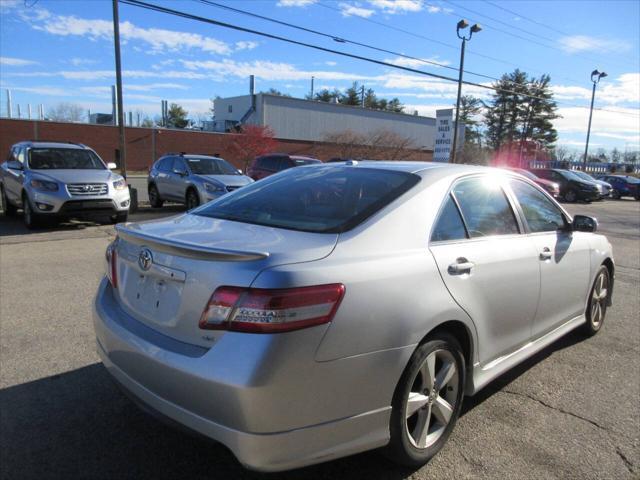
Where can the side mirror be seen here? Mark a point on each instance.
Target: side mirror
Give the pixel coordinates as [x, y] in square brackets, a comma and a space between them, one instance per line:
[583, 223]
[182, 173]
[15, 165]
[112, 166]
[240, 171]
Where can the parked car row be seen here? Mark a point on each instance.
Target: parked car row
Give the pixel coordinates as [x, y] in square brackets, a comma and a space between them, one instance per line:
[196, 179]
[52, 181]
[575, 185]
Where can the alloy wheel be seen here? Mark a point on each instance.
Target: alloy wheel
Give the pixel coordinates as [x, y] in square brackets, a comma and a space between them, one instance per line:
[598, 305]
[432, 399]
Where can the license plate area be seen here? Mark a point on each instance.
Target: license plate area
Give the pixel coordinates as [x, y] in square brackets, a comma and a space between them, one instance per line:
[153, 296]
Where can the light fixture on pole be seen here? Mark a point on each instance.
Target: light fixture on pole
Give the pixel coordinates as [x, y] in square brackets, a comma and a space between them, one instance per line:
[595, 78]
[462, 24]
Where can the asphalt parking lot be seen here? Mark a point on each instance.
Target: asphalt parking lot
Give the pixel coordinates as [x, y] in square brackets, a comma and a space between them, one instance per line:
[572, 411]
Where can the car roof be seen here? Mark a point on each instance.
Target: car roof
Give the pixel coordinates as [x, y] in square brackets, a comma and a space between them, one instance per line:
[44, 144]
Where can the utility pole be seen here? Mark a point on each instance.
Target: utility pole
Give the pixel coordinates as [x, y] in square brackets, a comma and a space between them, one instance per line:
[116, 41]
[312, 79]
[595, 78]
[362, 97]
[462, 24]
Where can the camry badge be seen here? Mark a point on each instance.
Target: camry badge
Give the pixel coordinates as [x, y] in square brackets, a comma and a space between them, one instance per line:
[145, 259]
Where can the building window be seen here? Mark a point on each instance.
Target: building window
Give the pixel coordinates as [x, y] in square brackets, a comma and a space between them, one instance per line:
[230, 108]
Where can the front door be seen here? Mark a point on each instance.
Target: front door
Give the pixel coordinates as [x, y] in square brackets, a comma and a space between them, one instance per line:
[564, 258]
[492, 272]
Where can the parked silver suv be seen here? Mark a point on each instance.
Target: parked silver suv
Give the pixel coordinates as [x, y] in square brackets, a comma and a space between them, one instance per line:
[192, 179]
[52, 181]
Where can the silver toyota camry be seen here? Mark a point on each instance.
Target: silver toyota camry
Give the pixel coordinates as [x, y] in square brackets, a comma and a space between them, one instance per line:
[333, 309]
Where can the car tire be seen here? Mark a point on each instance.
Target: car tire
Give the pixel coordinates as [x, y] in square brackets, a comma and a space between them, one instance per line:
[570, 196]
[192, 199]
[32, 220]
[8, 208]
[420, 404]
[598, 301]
[154, 197]
[119, 217]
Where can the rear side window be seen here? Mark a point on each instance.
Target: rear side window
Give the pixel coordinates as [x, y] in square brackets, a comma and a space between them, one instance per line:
[313, 199]
[270, 163]
[449, 225]
[540, 212]
[165, 164]
[484, 207]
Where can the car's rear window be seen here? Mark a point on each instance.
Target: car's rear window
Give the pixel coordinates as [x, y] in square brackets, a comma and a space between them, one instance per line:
[313, 199]
[64, 158]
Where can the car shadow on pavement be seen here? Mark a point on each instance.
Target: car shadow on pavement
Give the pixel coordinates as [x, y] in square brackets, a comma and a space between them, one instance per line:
[79, 425]
[572, 338]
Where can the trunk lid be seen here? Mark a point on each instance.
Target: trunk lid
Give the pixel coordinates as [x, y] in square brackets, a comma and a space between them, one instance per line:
[168, 269]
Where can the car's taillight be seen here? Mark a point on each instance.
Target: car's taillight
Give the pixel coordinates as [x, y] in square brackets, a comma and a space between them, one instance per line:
[112, 263]
[261, 310]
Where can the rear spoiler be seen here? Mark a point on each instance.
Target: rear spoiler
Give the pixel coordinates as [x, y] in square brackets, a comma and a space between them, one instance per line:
[186, 250]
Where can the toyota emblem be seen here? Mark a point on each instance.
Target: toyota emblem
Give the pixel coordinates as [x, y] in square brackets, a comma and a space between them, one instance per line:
[145, 259]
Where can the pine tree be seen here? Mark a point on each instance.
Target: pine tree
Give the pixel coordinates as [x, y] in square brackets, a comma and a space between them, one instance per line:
[470, 108]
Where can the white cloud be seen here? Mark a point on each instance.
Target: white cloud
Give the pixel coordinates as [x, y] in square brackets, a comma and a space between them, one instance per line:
[397, 6]
[16, 62]
[625, 123]
[157, 40]
[53, 91]
[77, 62]
[110, 75]
[246, 45]
[295, 3]
[349, 10]
[416, 63]
[585, 43]
[331, 64]
[267, 70]
[623, 89]
[433, 9]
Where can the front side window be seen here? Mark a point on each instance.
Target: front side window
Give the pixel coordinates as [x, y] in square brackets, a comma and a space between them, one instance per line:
[64, 158]
[484, 207]
[211, 166]
[319, 199]
[179, 165]
[449, 225]
[539, 211]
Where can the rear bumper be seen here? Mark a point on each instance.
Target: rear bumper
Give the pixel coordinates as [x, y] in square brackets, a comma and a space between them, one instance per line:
[268, 401]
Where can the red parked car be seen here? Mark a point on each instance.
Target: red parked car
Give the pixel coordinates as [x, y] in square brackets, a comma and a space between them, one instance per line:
[551, 187]
[271, 163]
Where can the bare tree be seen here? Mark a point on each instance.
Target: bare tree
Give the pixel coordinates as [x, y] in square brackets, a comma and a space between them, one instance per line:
[379, 144]
[562, 153]
[66, 112]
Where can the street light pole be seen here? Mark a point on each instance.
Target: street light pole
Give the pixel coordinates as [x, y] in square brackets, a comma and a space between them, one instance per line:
[116, 41]
[462, 24]
[595, 78]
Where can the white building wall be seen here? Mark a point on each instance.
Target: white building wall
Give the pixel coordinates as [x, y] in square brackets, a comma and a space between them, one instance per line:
[298, 119]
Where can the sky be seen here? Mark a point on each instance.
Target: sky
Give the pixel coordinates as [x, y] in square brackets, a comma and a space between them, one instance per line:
[54, 51]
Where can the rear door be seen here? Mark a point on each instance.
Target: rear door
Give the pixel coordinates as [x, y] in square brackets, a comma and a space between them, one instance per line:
[179, 179]
[564, 258]
[162, 180]
[488, 266]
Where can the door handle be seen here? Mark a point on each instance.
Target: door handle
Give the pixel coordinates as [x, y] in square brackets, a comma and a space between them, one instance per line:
[462, 265]
[545, 254]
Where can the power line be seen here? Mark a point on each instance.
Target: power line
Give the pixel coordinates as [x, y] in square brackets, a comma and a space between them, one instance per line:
[345, 40]
[553, 47]
[529, 19]
[448, 45]
[341, 39]
[189, 16]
